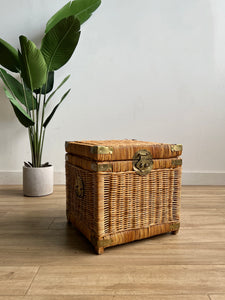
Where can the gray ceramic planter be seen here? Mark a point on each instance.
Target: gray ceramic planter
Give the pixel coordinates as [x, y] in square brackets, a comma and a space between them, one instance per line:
[37, 181]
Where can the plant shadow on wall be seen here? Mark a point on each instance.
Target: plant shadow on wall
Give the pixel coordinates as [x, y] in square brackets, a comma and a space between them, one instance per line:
[31, 94]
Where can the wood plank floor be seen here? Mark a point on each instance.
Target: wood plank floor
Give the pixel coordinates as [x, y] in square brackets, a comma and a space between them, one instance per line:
[42, 258]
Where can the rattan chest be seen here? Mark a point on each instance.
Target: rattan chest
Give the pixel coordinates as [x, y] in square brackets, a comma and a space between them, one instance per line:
[123, 190]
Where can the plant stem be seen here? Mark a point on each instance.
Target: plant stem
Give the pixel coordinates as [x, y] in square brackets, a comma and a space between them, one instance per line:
[42, 144]
[30, 129]
[34, 137]
[42, 134]
[31, 144]
[37, 129]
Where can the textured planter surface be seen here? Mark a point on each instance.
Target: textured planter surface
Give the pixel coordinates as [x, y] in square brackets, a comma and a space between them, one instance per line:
[37, 181]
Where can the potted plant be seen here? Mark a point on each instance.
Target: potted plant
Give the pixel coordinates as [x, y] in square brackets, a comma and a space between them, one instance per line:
[31, 94]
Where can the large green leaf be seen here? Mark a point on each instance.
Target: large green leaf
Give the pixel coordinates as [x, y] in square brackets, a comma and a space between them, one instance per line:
[60, 42]
[50, 83]
[82, 9]
[9, 57]
[54, 110]
[33, 66]
[16, 89]
[53, 93]
[21, 114]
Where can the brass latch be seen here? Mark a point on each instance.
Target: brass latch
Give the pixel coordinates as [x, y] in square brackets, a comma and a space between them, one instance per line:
[142, 162]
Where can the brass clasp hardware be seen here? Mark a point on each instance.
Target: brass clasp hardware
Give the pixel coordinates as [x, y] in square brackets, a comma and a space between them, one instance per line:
[142, 162]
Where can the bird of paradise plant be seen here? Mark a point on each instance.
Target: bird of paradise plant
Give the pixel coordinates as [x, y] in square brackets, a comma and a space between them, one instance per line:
[31, 94]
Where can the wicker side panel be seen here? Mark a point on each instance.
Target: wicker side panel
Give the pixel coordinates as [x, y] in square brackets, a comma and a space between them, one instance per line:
[132, 202]
[83, 209]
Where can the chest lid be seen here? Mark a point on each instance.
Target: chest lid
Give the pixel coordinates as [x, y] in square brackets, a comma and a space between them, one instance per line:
[117, 150]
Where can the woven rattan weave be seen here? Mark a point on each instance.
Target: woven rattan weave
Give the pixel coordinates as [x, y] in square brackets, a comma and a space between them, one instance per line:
[116, 201]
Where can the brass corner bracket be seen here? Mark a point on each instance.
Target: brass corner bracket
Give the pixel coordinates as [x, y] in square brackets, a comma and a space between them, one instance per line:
[176, 147]
[101, 167]
[101, 150]
[100, 243]
[174, 226]
[177, 162]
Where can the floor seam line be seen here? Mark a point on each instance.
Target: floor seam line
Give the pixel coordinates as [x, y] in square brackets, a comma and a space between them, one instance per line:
[32, 281]
[51, 223]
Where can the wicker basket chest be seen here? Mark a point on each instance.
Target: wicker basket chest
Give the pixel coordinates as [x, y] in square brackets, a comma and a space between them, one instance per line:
[119, 191]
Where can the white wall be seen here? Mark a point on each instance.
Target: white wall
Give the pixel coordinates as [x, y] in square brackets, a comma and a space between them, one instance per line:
[145, 69]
